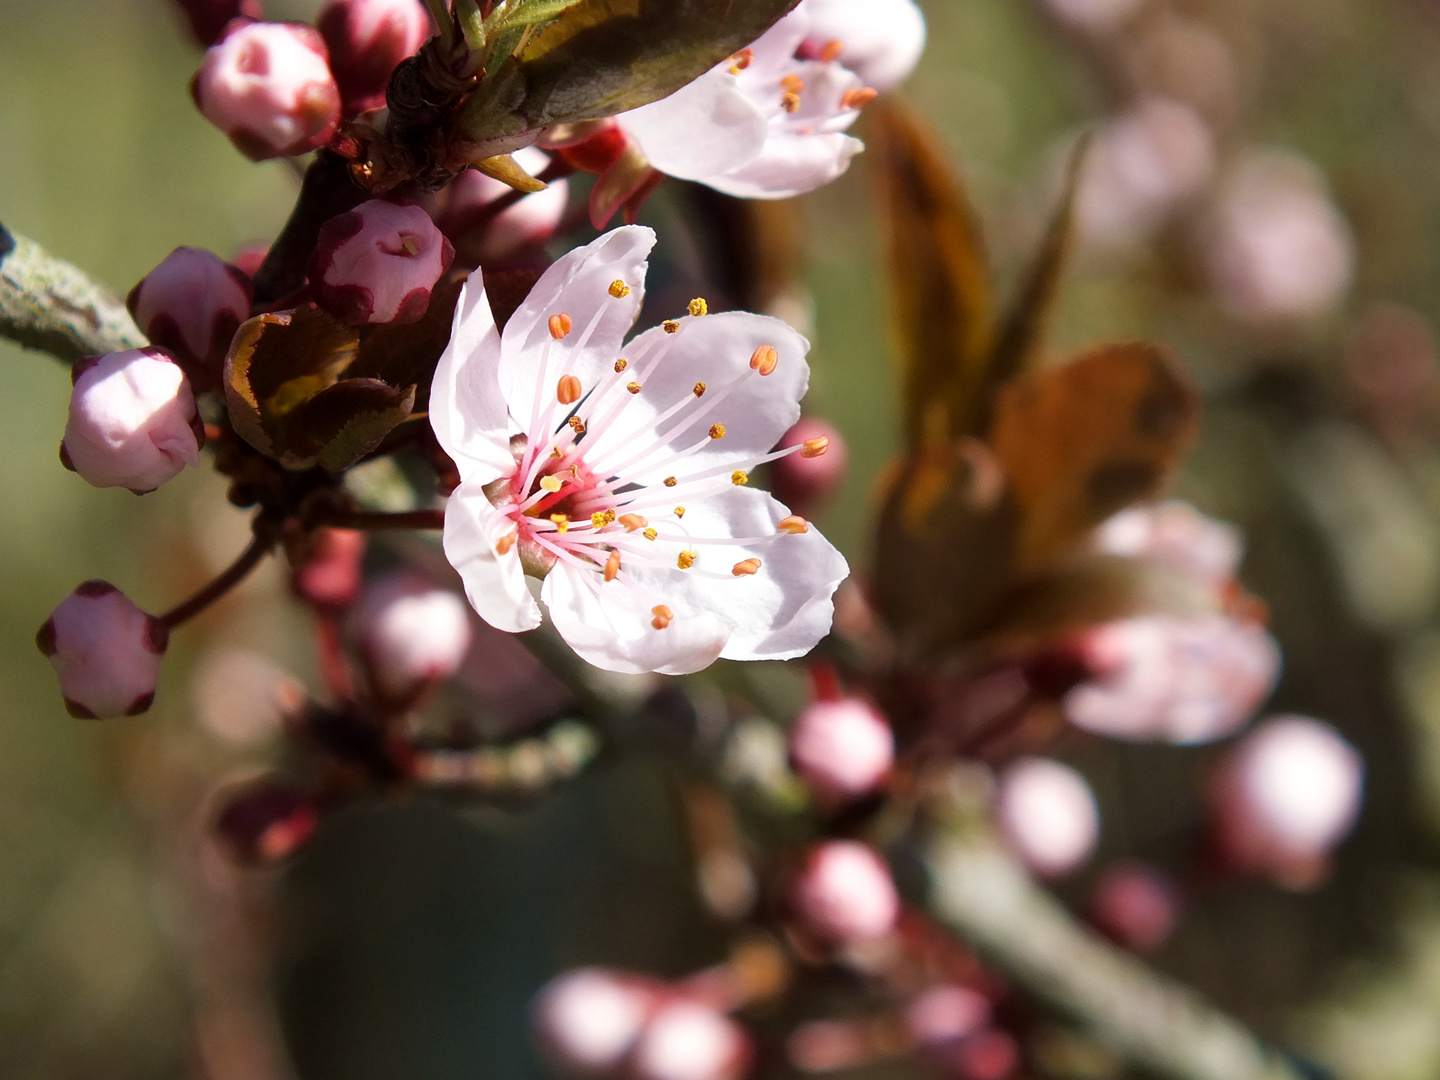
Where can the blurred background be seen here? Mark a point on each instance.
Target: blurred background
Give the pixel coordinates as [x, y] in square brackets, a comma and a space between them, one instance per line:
[1263, 195]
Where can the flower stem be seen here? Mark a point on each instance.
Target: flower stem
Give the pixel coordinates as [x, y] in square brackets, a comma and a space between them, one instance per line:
[260, 546]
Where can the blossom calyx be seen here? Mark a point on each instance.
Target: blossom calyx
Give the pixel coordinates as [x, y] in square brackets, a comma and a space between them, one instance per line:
[209, 18]
[268, 87]
[367, 39]
[192, 304]
[105, 651]
[378, 263]
[133, 421]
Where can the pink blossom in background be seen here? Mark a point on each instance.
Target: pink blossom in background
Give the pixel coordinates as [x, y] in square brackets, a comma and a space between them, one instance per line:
[268, 87]
[806, 480]
[587, 1020]
[844, 894]
[1179, 537]
[1135, 905]
[105, 651]
[685, 1040]
[1048, 815]
[842, 749]
[411, 633]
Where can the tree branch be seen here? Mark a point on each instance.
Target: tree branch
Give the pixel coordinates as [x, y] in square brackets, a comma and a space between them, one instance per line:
[1153, 1021]
[45, 303]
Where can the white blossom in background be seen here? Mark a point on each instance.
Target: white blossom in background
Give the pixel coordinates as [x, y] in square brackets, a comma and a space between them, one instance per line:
[1286, 795]
[618, 473]
[1047, 813]
[105, 651]
[411, 633]
[1144, 164]
[842, 749]
[1173, 678]
[587, 1020]
[761, 125]
[879, 40]
[1277, 248]
[1179, 537]
[1095, 16]
[685, 1040]
[133, 421]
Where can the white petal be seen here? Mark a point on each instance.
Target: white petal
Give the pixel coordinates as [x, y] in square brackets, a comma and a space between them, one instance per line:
[466, 409]
[704, 129]
[882, 39]
[776, 47]
[578, 285]
[610, 625]
[494, 583]
[716, 350]
[790, 165]
[780, 612]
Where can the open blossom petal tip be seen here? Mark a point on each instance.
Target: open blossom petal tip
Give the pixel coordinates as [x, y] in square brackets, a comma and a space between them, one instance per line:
[618, 472]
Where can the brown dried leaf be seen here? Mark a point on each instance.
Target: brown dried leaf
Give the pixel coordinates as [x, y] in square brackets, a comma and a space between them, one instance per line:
[1083, 440]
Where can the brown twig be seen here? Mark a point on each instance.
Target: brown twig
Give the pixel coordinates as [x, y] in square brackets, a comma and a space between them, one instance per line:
[260, 546]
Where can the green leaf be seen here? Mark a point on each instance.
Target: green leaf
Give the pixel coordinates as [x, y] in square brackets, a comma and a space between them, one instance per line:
[530, 12]
[602, 57]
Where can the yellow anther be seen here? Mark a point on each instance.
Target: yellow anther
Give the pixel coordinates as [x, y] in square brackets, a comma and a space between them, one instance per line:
[559, 325]
[831, 50]
[551, 484]
[764, 359]
[700, 389]
[555, 452]
[650, 534]
[577, 425]
[575, 471]
[816, 446]
[859, 97]
[792, 83]
[562, 523]
[612, 566]
[746, 567]
[597, 520]
[686, 560]
[662, 618]
[670, 481]
[633, 387]
[741, 60]
[619, 290]
[633, 522]
[698, 307]
[739, 478]
[794, 525]
[621, 365]
[567, 390]
[790, 102]
[717, 431]
[609, 517]
[671, 326]
[679, 511]
[506, 542]
[409, 246]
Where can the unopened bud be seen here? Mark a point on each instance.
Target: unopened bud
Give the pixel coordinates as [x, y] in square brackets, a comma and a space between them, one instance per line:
[133, 422]
[266, 821]
[1136, 905]
[378, 263]
[587, 1020]
[1288, 793]
[192, 304]
[843, 749]
[208, 18]
[468, 212]
[685, 1040]
[328, 575]
[804, 481]
[105, 650]
[268, 87]
[1048, 815]
[844, 894]
[367, 40]
[411, 633]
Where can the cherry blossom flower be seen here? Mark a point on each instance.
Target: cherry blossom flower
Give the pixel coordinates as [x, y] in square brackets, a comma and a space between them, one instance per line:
[879, 40]
[1176, 535]
[619, 474]
[761, 125]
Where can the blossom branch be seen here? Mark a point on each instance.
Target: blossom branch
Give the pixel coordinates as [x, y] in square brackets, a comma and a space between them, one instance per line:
[48, 304]
[260, 546]
[1014, 924]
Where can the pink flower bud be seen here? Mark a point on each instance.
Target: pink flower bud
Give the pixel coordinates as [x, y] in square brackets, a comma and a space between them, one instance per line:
[842, 749]
[804, 483]
[1287, 794]
[1177, 536]
[329, 574]
[489, 223]
[378, 263]
[844, 894]
[587, 1020]
[1173, 678]
[1048, 815]
[945, 1013]
[133, 421]
[208, 18]
[192, 304]
[367, 39]
[105, 650]
[268, 87]
[1136, 905]
[411, 633]
[266, 821]
[685, 1040]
